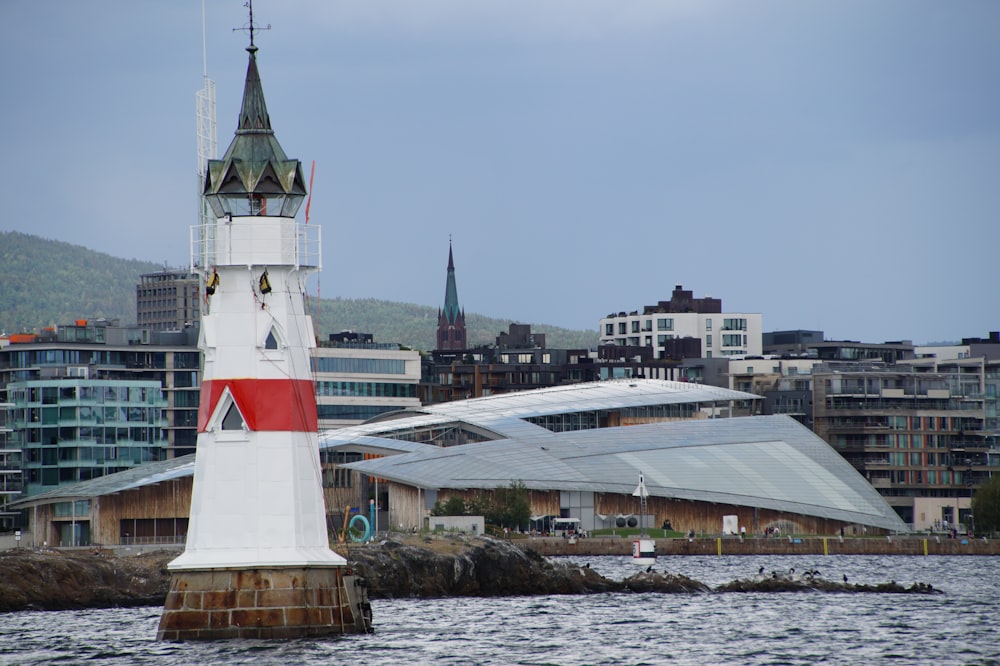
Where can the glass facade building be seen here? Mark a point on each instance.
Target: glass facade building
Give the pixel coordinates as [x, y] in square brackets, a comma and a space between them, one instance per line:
[74, 429]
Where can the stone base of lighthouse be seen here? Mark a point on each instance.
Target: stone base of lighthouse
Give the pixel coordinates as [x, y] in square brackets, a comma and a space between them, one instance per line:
[285, 602]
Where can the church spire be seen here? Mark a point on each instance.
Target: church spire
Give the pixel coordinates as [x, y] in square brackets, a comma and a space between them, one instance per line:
[451, 310]
[451, 320]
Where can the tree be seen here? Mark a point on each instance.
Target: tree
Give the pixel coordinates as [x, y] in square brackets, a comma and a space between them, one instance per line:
[986, 506]
[453, 506]
[507, 506]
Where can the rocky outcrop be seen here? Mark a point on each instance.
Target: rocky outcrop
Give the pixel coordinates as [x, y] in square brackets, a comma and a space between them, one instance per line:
[55, 580]
[819, 585]
[478, 568]
[413, 566]
[650, 581]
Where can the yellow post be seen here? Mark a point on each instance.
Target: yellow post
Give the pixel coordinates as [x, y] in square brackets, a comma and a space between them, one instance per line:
[718, 545]
[925, 546]
[826, 550]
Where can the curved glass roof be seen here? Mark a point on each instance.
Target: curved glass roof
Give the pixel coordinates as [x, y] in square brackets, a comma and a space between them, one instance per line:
[770, 462]
[504, 414]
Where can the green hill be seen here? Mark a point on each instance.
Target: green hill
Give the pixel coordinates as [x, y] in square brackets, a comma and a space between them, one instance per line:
[46, 283]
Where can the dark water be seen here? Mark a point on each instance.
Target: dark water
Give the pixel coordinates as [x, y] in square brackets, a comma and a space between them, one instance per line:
[961, 626]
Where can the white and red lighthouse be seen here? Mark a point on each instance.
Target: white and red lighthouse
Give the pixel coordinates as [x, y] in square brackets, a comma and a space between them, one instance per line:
[257, 562]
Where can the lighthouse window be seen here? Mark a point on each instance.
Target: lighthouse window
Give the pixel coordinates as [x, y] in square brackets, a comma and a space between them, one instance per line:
[233, 419]
[271, 342]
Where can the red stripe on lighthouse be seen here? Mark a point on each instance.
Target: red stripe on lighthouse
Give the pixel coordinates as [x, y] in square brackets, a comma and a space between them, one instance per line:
[266, 404]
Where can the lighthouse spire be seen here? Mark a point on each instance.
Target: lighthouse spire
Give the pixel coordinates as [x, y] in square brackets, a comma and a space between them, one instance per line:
[254, 176]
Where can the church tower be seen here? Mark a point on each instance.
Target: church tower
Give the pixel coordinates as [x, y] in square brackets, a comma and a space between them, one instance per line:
[451, 320]
[257, 562]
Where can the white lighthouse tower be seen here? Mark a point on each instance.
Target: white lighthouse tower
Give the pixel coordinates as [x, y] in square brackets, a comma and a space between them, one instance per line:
[257, 562]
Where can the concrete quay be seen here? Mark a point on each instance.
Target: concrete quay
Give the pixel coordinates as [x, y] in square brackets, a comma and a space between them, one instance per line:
[808, 545]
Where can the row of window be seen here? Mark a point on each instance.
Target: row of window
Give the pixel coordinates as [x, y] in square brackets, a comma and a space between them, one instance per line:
[105, 357]
[172, 315]
[913, 423]
[52, 395]
[35, 417]
[915, 459]
[447, 435]
[876, 441]
[662, 324]
[366, 389]
[61, 437]
[566, 422]
[51, 455]
[351, 412]
[53, 476]
[374, 366]
[667, 324]
[922, 477]
[524, 358]
[728, 340]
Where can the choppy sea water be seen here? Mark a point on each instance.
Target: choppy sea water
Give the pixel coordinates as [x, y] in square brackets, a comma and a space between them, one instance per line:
[961, 626]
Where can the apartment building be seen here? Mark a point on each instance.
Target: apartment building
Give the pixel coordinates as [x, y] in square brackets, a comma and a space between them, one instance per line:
[103, 350]
[75, 429]
[924, 433]
[784, 383]
[518, 361]
[683, 316]
[11, 476]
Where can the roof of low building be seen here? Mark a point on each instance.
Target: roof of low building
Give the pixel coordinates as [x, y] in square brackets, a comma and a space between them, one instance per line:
[129, 479]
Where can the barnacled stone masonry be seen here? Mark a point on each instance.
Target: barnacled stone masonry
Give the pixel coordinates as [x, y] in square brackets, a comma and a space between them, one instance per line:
[264, 603]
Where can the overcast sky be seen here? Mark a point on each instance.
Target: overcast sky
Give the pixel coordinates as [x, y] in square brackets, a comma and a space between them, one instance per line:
[830, 165]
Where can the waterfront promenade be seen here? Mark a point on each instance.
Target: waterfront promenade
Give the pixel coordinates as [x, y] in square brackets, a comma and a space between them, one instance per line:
[807, 545]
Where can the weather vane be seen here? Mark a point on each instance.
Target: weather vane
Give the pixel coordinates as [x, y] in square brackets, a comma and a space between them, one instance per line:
[250, 27]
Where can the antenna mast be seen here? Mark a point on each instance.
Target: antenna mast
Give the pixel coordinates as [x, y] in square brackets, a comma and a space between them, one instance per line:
[208, 145]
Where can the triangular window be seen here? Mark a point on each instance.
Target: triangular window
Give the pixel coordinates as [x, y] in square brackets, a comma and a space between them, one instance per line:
[227, 417]
[274, 340]
[233, 420]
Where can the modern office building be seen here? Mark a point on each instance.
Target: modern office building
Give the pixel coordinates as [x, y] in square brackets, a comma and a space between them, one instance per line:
[167, 300]
[75, 429]
[683, 316]
[357, 379]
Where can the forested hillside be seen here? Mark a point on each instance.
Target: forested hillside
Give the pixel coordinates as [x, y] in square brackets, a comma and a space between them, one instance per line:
[46, 282]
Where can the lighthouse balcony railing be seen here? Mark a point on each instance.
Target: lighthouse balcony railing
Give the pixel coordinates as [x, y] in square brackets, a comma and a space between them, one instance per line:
[267, 241]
